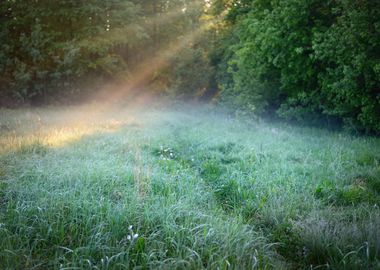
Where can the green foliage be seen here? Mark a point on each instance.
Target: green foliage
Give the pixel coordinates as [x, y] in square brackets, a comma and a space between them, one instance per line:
[51, 47]
[61, 49]
[348, 50]
[192, 72]
[310, 61]
[306, 61]
[55, 49]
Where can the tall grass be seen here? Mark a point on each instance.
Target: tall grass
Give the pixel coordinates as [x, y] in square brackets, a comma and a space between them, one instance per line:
[82, 188]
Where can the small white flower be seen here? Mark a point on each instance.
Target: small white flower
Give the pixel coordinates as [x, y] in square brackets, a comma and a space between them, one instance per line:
[129, 237]
[130, 227]
[135, 236]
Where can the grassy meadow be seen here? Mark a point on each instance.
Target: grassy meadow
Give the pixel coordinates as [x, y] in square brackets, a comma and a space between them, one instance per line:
[183, 188]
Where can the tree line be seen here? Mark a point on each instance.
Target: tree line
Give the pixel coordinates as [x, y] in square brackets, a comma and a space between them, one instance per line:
[308, 61]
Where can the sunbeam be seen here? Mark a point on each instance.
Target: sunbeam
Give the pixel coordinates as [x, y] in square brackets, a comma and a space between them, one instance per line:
[147, 68]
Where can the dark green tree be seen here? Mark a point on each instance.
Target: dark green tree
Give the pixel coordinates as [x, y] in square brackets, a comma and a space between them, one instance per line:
[311, 61]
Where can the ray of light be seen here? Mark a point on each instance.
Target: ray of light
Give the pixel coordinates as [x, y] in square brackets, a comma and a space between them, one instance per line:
[147, 68]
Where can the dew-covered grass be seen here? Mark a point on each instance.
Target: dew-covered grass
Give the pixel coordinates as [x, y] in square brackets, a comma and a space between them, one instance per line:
[183, 188]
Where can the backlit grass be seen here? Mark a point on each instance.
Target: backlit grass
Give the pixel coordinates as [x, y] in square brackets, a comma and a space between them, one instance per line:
[189, 188]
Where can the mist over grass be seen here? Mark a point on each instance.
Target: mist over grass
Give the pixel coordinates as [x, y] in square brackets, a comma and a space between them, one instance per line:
[147, 187]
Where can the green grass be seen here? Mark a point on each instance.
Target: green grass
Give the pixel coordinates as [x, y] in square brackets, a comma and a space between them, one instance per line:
[201, 190]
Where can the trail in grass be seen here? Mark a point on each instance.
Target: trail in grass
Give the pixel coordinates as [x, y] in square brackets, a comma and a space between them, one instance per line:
[186, 188]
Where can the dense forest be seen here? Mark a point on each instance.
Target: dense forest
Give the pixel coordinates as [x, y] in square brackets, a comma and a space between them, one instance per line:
[307, 61]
